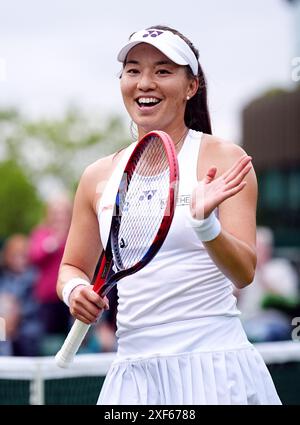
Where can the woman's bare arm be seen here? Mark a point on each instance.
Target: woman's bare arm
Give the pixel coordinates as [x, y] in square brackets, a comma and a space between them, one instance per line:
[233, 250]
[83, 246]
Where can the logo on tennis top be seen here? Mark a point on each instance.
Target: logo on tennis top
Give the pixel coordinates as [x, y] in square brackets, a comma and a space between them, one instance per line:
[182, 200]
[152, 33]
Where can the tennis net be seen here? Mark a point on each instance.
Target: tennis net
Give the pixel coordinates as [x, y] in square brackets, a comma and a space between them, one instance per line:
[39, 381]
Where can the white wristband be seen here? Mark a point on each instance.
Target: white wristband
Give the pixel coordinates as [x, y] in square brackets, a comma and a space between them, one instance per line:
[207, 229]
[70, 285]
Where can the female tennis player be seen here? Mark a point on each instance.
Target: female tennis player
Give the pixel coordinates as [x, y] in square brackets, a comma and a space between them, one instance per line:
[180, 339]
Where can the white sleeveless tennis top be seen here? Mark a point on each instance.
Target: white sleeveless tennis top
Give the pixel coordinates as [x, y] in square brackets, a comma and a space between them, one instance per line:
[181, 282]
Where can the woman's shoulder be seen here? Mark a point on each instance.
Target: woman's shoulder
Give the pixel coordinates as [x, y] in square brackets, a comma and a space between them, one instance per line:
[220, 152]
[98, 169]
[95, 176]
[222, 147]
[101, 169]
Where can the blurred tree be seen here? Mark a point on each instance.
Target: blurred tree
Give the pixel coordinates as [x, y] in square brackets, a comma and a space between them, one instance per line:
[21, 207]
[59, 148]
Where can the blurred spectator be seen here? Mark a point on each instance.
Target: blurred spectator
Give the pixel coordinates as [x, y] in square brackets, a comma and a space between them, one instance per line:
[10, 313]
[275, 285]
[46, 248]
[18, 305]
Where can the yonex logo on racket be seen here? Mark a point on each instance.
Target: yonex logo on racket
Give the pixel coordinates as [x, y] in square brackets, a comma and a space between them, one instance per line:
[123, 243]
[152, 33]
[147, 194]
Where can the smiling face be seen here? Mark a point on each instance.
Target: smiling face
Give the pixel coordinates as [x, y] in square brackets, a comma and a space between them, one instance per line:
[154, 91]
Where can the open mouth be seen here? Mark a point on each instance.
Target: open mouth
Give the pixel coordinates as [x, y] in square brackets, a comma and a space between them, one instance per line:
[147, 102]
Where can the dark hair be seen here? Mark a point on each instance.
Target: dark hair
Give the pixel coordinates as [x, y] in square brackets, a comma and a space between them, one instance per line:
[197, 115]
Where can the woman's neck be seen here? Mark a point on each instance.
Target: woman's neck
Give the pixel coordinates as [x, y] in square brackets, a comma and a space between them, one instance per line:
[177, 134]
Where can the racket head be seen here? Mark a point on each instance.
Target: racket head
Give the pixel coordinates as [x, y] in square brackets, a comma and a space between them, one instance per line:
[151, 173]
[154, 159]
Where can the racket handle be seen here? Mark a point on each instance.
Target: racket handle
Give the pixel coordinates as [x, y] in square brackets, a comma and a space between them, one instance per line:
[72, 343]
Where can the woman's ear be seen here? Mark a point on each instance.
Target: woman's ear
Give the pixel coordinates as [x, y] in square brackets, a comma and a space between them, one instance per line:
[193, 87]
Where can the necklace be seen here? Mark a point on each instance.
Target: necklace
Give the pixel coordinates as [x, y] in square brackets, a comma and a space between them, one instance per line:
[182, 138]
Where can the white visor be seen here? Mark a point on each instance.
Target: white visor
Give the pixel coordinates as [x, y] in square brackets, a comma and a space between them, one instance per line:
[171, 45]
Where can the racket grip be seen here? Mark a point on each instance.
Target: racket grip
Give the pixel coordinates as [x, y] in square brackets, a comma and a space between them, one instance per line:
[72, 343]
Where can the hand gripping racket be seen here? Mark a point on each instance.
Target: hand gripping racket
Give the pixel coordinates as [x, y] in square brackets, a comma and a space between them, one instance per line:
[143, 213]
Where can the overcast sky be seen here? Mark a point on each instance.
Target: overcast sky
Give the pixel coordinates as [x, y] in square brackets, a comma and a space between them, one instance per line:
[53, 53]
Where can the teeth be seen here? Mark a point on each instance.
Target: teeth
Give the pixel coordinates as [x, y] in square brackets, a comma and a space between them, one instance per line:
[148, 100]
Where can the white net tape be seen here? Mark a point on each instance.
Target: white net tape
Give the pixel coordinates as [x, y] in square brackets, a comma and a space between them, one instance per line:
[27, 367]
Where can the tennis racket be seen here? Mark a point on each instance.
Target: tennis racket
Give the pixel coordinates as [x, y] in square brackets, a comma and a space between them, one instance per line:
[143, 213]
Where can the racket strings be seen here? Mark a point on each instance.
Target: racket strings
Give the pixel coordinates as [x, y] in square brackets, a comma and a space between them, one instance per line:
[142, 205]
[149, 216]
[152, 160]
[143, 231]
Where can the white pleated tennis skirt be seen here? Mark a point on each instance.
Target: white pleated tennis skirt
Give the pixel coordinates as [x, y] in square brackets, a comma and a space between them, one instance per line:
[206, 360]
